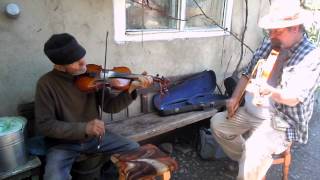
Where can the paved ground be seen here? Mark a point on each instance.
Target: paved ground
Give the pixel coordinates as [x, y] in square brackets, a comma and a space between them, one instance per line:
[305, 163]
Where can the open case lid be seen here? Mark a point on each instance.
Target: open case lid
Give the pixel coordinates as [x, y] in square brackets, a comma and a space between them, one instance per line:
[11, 124]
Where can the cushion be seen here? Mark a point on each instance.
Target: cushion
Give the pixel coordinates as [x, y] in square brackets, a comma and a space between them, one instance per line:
[148, 160]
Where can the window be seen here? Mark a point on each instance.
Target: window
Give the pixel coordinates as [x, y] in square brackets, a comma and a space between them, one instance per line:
[137, 20]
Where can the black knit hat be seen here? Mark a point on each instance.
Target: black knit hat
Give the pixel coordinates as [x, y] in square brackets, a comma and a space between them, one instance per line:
[63, 49]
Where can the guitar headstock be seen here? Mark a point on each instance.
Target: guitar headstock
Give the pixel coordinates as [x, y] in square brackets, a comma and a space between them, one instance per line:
[163, 83]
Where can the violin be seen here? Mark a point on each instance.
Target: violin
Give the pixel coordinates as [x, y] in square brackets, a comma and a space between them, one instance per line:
[118, 78]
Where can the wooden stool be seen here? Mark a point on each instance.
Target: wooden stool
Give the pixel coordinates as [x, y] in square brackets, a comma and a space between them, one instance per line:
[285, 159]
[145, 163]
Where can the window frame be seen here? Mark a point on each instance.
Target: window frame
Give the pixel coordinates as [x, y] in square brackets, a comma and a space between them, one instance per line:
[121, 36]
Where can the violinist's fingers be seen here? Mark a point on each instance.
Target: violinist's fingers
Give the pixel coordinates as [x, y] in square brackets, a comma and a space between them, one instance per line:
[101, 128]
[95, 128]
[141, 82]
[97, 131]
[135, 84]
[145, 81]
[149, 80]
[101, 131]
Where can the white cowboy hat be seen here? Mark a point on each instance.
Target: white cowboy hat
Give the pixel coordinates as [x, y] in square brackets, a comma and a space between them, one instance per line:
[283, 13]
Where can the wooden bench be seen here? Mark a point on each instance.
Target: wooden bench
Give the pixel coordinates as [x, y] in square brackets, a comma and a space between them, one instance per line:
[149, 125]
[140, 121]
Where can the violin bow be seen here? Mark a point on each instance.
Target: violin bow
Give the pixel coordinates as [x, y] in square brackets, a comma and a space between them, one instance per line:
[104, 86]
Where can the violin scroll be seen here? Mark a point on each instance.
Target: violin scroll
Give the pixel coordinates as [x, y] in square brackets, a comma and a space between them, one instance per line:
[163, 83]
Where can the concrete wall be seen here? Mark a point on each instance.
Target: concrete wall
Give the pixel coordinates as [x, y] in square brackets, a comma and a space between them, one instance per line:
[23, 61]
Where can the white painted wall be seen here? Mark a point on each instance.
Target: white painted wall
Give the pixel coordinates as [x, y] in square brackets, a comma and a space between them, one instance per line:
[23, 61]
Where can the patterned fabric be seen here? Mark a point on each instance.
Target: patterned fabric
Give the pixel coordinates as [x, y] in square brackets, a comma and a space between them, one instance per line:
[147, 161]
[300, 78]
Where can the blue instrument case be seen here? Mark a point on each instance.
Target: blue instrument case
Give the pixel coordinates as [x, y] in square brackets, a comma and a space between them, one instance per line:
[194, 93]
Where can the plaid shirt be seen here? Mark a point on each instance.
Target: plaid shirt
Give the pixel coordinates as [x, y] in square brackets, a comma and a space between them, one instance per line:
[300, 78]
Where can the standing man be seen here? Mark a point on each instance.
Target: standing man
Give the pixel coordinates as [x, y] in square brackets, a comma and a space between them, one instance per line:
[68, 117]
[288, 95]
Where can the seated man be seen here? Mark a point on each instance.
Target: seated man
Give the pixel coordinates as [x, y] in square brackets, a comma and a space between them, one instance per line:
[277, 110]
[68, 117]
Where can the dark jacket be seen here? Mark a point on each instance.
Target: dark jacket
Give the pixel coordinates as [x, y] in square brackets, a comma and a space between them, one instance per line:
[62, 110]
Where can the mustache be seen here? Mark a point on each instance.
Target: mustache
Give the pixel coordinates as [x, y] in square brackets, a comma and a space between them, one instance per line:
[275, 43]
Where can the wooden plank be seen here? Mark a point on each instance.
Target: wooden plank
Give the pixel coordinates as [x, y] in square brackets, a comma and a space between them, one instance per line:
[149, 125]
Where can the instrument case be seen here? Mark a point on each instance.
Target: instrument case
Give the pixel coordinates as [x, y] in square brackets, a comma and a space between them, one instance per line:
[194, 93]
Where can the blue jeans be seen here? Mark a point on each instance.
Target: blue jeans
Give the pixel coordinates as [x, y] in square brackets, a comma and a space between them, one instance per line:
[60, 158]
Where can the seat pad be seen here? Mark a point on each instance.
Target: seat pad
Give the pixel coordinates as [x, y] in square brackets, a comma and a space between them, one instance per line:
[148, 160]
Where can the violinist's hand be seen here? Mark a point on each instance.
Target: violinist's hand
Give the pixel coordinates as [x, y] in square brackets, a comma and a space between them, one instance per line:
[95, 127]
[231, 105]
[141, 82]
